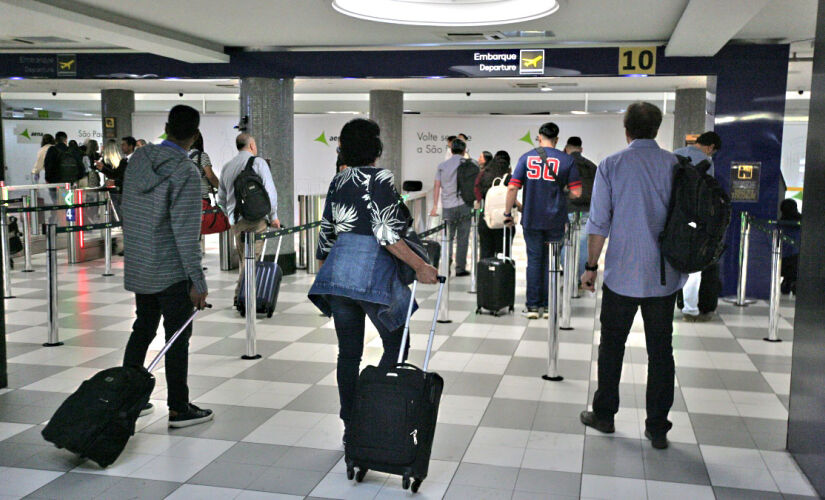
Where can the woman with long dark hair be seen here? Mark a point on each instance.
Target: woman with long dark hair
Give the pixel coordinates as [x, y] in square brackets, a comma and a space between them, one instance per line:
[491, 241]
[359, 250]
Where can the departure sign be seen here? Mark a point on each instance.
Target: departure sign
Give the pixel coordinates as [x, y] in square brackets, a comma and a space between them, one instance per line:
[744, 181]
[637, 60]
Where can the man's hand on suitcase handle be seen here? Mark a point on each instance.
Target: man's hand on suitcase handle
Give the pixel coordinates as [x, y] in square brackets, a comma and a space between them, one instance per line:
[426, 274]
[198, 299]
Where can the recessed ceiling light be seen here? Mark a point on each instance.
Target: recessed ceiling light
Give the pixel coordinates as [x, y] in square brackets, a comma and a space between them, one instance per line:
[545, 89]
[447, 12]
[579, 112]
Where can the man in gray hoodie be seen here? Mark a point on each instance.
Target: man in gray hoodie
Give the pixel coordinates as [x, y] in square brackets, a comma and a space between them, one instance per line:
[161, 225]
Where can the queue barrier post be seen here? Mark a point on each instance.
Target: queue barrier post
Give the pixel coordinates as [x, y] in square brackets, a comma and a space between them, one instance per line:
[568, 280]
[776, 277]
[577, 249]
[51, 275]
[250, 296]
[27, 236]
[107, 243]
[444, 270]
[744, 246]
[474, 260]
[4, 235]
[552, 318]
[35, 220]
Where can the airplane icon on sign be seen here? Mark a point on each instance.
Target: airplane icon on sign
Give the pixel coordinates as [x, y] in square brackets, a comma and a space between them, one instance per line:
[532, 62]
[67, 65]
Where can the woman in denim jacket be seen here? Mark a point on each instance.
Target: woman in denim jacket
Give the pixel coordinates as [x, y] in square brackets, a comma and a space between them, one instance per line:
[358, 276]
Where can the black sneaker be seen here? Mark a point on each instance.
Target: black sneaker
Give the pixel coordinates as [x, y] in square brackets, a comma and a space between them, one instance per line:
[149, 408]
[659, 441]
[590, 419]
[193, 416]
[461, 274]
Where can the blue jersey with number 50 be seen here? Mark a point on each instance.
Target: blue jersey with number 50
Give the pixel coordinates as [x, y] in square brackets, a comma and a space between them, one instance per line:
[544, 199]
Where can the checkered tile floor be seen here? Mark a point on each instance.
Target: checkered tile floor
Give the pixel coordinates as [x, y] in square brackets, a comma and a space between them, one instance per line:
[502, 432]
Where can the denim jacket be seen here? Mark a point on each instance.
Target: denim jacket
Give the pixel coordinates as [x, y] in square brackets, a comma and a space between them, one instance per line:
[359, 268]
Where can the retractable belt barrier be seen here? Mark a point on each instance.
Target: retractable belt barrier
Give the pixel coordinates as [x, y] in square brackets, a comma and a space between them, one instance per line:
[49, 208]
[286, 230]
[214, 210]
[86, 227]
[10, 201]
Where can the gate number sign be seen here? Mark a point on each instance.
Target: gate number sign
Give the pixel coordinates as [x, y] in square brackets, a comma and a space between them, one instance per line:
[637, 60]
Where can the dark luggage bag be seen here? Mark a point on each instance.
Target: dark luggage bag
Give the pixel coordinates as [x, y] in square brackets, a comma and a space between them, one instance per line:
[434, 251]
[268, 276]
[98, 419]
[393, 420]
[496, 283]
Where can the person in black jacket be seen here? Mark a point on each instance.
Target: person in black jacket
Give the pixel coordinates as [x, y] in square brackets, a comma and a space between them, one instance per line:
[790, 253]
[55, 157]
[491, 241]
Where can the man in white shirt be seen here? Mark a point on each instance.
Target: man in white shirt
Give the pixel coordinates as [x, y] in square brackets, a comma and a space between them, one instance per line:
[247, 148]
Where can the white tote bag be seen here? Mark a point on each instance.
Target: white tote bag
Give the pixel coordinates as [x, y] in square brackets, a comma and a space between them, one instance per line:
[495, 205]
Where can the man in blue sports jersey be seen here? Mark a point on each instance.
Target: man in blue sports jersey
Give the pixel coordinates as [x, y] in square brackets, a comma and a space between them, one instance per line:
[544, 172]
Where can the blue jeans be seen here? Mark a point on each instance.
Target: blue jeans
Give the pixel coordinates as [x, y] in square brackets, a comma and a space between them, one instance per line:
[349, 315]
[538, 256]
[582, 244]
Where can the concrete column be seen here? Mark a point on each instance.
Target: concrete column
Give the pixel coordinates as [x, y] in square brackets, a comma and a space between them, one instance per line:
[689, 115]
[387, 109]
[120, 105]
[269, 106]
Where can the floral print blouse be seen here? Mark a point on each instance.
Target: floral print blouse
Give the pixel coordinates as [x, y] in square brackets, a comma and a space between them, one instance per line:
[361, 200]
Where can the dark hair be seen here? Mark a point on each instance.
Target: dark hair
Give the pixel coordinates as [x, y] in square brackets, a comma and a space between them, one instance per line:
[458, 147]
[360, 142]
[498, 167]
[789, 210]
[198, 144]
[549, 130]
[339, 162]
[73, 144]
[710, 139]
[132, 142]
[502, 155]
[451, 138]
[47, 140]
[574, 141]
[462, 134]
[182, 123]
[242, 140]
[488, 156]
[642, 120]
[60, 136]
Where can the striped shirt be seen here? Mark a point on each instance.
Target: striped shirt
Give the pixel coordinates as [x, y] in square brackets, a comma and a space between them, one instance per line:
[161, 220]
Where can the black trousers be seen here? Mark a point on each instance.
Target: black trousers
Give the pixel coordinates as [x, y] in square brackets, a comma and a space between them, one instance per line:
[491, 241]
[789, 269]
[617, 316]
[175, 306]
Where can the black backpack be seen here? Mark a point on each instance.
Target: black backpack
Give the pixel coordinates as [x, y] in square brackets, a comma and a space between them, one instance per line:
[251, 199]
[697, 220]
[466, 175]
[587, 174]
[70, 167]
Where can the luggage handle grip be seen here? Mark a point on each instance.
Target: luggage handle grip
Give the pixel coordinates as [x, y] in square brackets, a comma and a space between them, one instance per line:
[172, 340]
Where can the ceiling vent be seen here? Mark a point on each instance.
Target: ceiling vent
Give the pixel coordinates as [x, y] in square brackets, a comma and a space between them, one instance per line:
[227, 85]
[41, 40]
[495, 36]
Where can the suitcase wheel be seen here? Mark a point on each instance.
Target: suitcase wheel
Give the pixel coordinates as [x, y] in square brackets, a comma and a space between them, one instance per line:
[360, 475]
[415, 485]
[405, 482]
[350, 473]
[269, 311]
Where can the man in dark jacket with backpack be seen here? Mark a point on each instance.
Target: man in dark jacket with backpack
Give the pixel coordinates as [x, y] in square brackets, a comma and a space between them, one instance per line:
[631, 199]
[61, 163]
[587, 174]
[455, 186]
[248, 215]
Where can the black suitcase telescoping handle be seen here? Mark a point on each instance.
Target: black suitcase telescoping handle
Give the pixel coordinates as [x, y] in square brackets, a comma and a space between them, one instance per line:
[441, 281]
[172, 340]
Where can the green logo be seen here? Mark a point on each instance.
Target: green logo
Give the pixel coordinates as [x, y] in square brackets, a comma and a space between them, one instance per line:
[322, 138]
[162, 136]
[527, 138]
[25, 134]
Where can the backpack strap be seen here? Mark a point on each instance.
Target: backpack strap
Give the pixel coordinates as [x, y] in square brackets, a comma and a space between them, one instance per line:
[250, 162]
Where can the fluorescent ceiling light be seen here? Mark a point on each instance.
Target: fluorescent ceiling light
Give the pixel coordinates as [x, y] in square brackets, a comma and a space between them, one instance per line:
[579, 112]
[447, 12]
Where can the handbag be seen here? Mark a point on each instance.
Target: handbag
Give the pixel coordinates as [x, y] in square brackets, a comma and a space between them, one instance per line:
[213, 222]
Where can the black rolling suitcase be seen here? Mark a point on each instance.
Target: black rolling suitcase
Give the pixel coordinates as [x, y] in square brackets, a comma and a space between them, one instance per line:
[98, 419]
[393, 421]
[433, 251]
[268, 276]
[496, 282]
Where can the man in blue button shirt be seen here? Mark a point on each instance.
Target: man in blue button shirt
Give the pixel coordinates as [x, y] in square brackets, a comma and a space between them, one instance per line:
[701, 292]
[545, 208]
[631, 196]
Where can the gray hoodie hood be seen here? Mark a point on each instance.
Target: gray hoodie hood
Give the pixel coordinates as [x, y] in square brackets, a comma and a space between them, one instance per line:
[152, 165]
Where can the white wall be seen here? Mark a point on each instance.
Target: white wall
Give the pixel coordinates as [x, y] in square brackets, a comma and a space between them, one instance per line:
[794, 143]
[21, 152]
